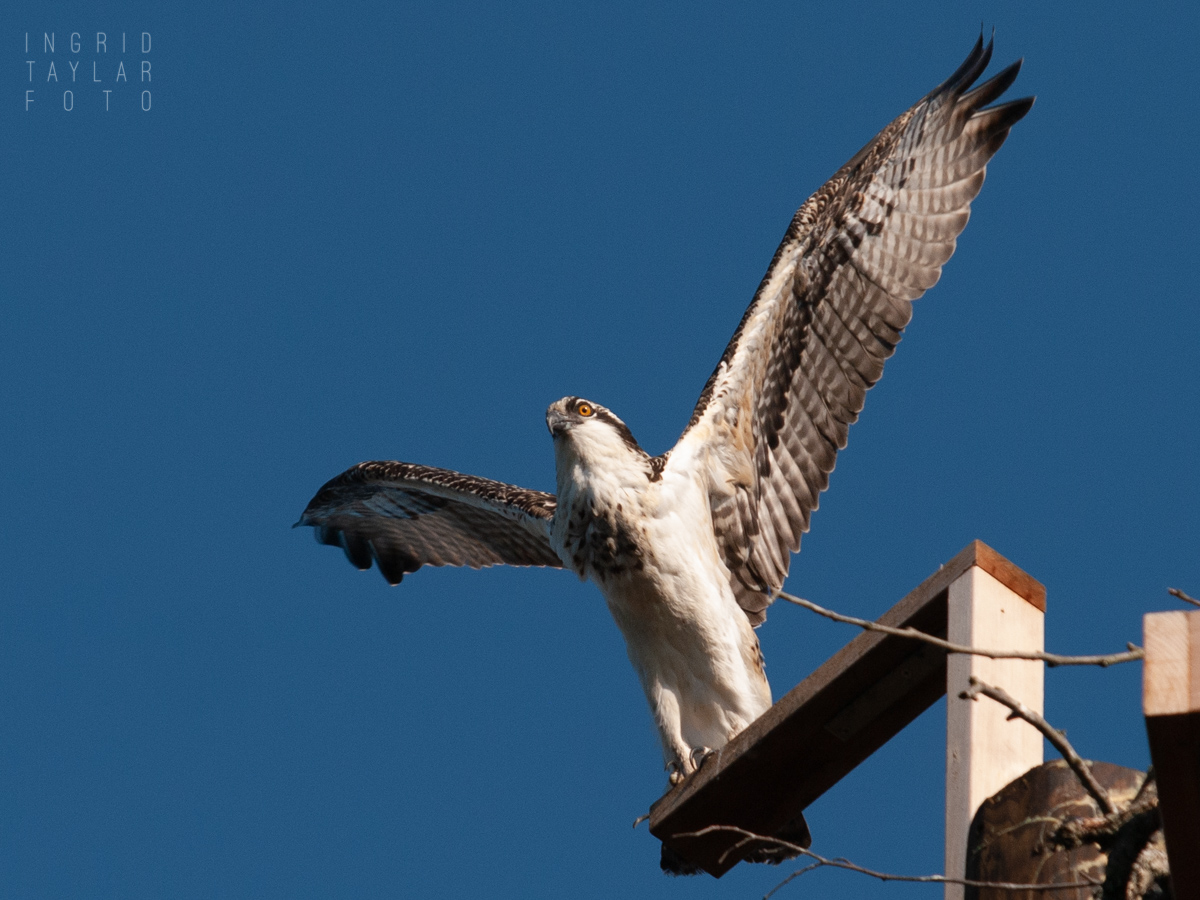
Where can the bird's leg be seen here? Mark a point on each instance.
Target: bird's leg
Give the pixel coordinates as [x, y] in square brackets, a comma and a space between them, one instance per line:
[676, 750]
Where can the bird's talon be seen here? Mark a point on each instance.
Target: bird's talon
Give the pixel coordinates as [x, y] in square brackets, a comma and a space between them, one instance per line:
[700, 755]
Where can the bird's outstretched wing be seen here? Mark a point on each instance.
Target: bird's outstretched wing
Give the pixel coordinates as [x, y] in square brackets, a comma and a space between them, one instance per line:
[405, 516]
[829, 311]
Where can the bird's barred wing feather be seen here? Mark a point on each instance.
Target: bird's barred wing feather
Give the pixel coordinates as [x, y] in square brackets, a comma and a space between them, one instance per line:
[404, 516]
[829, 311]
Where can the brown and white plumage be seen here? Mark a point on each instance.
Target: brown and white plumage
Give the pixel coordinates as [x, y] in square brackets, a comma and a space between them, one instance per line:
[678, 542]
[829, 311]
[403, 516]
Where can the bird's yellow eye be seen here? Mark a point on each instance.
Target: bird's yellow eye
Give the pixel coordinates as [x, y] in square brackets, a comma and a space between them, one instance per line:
[584, 409]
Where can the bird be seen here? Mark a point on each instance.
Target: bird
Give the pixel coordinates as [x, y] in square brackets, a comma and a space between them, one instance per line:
[690, 547]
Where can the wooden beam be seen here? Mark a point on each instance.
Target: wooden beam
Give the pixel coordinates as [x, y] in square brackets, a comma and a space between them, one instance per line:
[984, 749]
[1171, 703]
[825, 726]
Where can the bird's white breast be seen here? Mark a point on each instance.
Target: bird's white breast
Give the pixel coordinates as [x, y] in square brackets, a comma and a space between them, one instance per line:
[649, 546]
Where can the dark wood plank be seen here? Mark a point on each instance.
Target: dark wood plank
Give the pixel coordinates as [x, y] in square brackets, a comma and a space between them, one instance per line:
[1175, 751]
[824, 727]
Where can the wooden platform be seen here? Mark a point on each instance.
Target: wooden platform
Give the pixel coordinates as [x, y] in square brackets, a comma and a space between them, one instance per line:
[825, 726]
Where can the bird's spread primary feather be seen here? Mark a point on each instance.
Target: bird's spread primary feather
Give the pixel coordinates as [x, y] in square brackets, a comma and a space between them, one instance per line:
[689, 547]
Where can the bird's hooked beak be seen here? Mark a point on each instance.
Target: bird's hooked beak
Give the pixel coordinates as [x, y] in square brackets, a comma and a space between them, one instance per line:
[556, 420]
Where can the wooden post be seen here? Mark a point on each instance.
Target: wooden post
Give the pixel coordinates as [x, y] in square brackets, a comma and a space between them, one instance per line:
[984, 750]
[1171, 703]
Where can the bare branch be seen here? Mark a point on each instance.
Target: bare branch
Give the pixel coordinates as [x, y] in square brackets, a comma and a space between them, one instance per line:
[1149, 786]
[749, 837]
[771, 893]
[1079, 830]
[1151, 865]
[1050, 659]
[1053, 735]
[1176, 592]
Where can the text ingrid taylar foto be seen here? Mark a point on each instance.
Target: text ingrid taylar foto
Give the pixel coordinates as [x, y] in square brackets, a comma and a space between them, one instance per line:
[104, 77]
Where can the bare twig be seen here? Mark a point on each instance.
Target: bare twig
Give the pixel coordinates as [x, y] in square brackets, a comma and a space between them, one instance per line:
[801, 871]
[1053, 735]
[1151, 865]
[1050, 659]
[1149, 786]
[1079, 830]
[1176, 592]
[749, 837]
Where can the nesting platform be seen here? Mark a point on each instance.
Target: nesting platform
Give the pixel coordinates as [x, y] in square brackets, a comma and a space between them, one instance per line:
[857, 701]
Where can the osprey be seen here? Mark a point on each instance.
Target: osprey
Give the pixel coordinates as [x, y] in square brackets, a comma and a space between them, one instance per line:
[689, 548]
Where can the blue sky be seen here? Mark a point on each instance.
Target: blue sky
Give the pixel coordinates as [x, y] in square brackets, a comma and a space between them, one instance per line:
[382, 231]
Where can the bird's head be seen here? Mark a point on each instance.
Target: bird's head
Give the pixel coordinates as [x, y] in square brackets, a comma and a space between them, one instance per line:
[588, 432]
